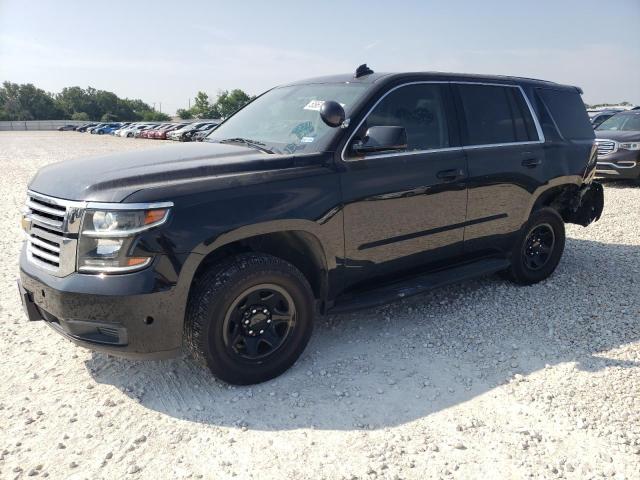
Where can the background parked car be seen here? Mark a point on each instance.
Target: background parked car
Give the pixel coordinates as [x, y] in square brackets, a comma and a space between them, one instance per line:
[124, 126]
[148, 132]
[67, 127]
[156, 131]
[97, 125]
[163, 132]
[186, 133]
[83, 128]
[131, 130]
[120, 127]
[598, 117]
[106, 128]
[200, 135]
[175, 134]
[618, 141]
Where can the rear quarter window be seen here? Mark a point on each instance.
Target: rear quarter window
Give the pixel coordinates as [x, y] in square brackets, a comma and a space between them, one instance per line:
[568, 112]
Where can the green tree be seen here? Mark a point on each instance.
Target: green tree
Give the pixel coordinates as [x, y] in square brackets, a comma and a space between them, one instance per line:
[26, 102]
[80, 116]
[203, 108]
[97, 103]
[229, 102]
[136, 107]
[185, 114]
[153, 116]
[72, 100]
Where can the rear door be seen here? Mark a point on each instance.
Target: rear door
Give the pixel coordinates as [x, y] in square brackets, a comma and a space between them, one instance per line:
[504, 147]
[405, 210]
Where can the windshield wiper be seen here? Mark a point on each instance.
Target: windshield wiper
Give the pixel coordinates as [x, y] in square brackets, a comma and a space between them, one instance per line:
[249, 143]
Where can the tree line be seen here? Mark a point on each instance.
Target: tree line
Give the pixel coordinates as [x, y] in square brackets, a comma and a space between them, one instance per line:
[224, 105]
[27, 102]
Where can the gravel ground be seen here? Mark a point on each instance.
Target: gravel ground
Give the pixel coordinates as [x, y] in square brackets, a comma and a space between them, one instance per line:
[478, 380]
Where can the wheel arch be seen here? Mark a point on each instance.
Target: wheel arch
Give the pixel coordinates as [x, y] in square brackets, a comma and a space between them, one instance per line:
[557, 195]
[301, 248]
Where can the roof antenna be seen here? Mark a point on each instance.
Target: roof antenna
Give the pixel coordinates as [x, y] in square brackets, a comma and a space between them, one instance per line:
[362, 70]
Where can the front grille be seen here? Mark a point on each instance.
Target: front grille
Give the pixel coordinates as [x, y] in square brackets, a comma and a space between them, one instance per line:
[46, 234]
[605, 147]
[51, 242]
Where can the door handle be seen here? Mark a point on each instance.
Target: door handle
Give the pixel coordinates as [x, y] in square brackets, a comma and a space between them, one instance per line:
[451, 174]
[531, 162]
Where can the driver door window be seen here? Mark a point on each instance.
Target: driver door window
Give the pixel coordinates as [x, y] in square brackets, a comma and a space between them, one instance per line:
[420, 109]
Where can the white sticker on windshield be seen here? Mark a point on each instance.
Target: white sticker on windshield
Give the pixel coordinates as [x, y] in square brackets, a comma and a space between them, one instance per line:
[314, 105]
[307, 139]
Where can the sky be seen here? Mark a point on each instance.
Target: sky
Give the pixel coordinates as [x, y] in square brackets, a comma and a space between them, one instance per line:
[165, 51]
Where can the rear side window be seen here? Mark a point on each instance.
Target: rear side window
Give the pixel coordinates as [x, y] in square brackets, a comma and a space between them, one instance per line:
[569, 113]
[496, 114]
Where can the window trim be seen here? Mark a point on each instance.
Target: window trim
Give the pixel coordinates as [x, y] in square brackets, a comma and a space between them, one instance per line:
[541, 138]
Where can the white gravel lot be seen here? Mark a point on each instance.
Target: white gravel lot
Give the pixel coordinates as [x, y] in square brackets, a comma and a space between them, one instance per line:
[479, 380]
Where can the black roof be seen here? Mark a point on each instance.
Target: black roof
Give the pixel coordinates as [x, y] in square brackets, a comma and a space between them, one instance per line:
[441, 76]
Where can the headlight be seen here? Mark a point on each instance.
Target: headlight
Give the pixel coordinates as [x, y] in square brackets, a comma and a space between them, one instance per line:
[630, 146]
[107, 238]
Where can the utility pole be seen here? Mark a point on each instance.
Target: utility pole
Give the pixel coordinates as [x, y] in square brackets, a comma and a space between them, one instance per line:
[160, 107]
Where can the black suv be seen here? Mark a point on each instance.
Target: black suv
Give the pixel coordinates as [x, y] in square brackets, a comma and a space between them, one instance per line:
[324, 196]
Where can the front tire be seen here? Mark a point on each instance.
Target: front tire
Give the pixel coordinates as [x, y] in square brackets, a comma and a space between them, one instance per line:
[538, 248]
[250, 318]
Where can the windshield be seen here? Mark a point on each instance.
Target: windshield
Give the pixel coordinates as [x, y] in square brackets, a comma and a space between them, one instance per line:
[621, 122]
[287, 119]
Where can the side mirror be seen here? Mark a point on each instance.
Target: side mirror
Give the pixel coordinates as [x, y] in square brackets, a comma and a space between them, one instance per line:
[382, 139]
[332, 113]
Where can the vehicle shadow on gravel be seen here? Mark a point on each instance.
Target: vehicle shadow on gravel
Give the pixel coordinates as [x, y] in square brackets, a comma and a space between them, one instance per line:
[387, 366]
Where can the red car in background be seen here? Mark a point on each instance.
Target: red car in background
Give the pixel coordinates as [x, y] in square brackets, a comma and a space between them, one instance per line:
[161, 133]
[146, 133]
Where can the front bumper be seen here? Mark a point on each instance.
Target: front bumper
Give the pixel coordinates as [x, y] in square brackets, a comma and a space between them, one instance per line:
[138, 315]
[624, 164]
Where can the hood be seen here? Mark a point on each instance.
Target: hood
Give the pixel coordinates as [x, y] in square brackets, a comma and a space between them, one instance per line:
[619, 135]
[112, 178]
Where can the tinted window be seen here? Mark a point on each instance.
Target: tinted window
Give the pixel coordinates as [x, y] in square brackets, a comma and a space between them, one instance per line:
[568, 112]
[622, 122]
[420, 109]
[523, 121]
[495, 115]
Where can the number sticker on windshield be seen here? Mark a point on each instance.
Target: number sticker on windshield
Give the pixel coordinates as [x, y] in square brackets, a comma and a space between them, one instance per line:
[314, 105]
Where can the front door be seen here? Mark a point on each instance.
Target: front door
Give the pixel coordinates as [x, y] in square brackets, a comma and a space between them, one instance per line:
[405, 210]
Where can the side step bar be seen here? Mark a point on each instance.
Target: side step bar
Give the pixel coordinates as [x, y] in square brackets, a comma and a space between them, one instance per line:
[416, 285]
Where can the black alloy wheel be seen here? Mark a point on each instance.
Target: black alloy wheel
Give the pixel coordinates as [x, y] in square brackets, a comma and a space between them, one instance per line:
[249, 317]
[259, 321]
[538, 246]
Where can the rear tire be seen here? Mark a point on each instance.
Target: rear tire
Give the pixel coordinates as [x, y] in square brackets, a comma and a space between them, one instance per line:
[250, 318]
[538, 248]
